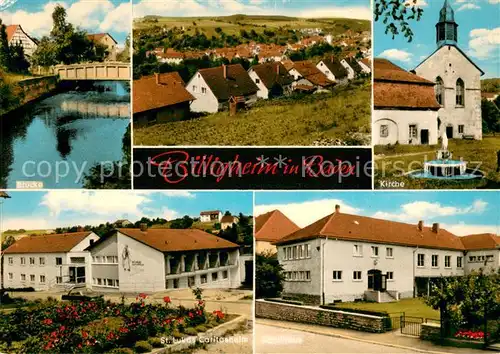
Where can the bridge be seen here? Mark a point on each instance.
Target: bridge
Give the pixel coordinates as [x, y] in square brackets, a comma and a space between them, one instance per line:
[106, 71]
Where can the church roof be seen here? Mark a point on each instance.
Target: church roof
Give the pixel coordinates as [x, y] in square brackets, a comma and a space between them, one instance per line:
[446, 14]
[460, 50]
[395, 88]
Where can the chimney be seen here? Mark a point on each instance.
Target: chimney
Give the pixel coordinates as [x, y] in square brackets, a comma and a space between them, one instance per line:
[91, 242]
[420, 225]
[157, 77]
[435, 227]
[144, 227]
[337, 209]
[224, 71]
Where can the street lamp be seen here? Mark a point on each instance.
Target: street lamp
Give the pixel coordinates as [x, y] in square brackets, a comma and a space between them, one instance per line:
[3, 196]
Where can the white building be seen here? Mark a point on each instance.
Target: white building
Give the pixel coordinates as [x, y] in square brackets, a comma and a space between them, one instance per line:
[405, 107]
[227, 221]
[333, 70]
[348, 257]
[47, 261]
[272, 79]
[213, 88]
[16, 35]
[211, 216]
[458, 81]
[135, 260]
[309, 78]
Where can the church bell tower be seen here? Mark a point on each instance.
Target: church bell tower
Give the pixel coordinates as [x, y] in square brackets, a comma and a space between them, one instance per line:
[446, 28]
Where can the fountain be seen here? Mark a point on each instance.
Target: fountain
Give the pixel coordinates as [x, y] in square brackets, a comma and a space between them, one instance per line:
[444, 167]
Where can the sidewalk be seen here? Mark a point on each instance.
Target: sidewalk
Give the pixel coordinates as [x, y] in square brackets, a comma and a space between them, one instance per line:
[393, 339]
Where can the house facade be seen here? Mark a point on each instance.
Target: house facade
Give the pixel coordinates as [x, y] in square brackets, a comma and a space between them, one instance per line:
[160, 98]
[333, 70]
[136, 260]
[108, 42]
[213, 88]
[48, 261]
[405, 107]
[344, 257]
[227, 221]
[457, 79]
[16, 35]
[272, 79]
[211, 216]
[271, 227]
[308, 78]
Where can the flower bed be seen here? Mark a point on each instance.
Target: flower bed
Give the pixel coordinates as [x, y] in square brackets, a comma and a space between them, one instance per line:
[99, 326]
[470, 334]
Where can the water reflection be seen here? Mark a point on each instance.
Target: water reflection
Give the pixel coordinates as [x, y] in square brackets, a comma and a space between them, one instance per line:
[73, 130]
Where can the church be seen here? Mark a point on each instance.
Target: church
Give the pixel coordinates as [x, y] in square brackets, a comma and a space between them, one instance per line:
[456, 108]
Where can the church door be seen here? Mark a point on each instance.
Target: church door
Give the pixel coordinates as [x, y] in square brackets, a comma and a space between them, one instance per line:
[424, 136]
[449, 132]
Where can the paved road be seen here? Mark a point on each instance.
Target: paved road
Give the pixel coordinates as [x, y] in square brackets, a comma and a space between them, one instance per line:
[239, 343]
[271, 339]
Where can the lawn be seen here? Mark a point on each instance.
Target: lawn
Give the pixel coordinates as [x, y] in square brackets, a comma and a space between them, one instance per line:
[391, 162]
[411, 307]
[296, 120]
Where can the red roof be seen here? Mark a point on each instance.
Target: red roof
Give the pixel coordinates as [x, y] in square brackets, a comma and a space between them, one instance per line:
[362, 228]
[310, 72]
[98, 36]
[273, 226]
[481, 241]
[159, 90]
[53, 243]
[11, 29]
[273, 73]
[175, 240]
[210, 212]
[395, 88]
[237, 82]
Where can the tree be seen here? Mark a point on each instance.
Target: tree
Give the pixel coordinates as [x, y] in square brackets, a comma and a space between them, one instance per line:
[491, 117]
[269, 276]
[184, 223]
[4, 47]
[396, 15]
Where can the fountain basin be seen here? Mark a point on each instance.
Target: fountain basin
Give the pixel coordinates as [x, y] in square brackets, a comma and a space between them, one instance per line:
[469, 174]
[445, 168]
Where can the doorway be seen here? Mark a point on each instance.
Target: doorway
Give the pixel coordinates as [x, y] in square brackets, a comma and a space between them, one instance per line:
[424, 136]
[376, 280]
[449, 132]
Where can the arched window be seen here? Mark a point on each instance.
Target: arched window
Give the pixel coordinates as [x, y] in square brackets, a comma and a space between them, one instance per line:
[460, 93]
[440, 91]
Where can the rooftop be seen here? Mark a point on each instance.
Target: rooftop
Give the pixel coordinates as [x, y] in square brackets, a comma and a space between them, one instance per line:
[53, 243]
[273, 226]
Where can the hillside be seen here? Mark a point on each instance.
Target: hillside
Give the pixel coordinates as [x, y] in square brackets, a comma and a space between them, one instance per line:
[343, 115]
[233, 24]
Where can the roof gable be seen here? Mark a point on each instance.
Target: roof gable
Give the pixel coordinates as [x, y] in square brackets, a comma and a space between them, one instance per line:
[236, 82]
[52, 243]
[177, 240]
[159, 90]
[310, 72]
[361, 228]
[459, 50]
[273, 73]
[273, 226]
[335, 67]
[481, 241]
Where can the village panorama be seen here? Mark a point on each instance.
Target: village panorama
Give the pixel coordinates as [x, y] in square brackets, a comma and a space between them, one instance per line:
[251, 80]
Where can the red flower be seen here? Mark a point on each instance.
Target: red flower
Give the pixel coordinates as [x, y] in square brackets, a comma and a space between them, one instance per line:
[85, 334]
[190, 315]
[167, 300]
[47, 321]
[143, 296]
[201, 302]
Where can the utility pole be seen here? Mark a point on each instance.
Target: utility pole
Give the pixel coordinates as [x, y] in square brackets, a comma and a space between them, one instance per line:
[3, 196]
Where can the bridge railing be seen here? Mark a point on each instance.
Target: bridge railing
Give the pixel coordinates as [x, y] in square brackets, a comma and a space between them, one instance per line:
[94, 71]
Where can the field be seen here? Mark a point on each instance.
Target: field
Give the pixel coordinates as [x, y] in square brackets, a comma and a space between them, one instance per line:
[411, 307]
[233, 24]
[392, 161]
[343, 115]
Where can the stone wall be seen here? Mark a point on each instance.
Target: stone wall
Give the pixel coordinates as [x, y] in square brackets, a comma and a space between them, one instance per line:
[32, 89]
[304, 298]
[318, 316]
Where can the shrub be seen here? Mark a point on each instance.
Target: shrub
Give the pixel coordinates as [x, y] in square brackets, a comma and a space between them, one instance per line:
[155, 342]
[209, 325]
[177, 334]
[143, 347]
[191, 331]
[201, 328]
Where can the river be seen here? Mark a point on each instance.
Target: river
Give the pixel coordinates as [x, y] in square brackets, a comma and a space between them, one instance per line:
[54, 142]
